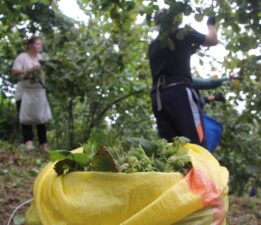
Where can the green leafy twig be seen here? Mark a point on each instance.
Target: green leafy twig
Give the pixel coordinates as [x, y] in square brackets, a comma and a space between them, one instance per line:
[128, 156]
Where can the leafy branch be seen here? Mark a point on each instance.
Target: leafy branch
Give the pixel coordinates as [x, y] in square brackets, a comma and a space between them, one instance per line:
[105, 152]
[109, 105]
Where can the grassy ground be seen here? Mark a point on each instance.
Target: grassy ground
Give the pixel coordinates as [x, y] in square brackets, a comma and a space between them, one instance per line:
[18, 169]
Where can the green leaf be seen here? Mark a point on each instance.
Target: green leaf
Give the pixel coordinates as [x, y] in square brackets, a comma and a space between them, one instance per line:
[19, 219]
[181, 34]
[199, 17]
[103, 138]
[180, 162]
[65, 166]
[160, 164]
[59, 155]
[180, 141]
[149, 147]
[171, 44]
[81, 159]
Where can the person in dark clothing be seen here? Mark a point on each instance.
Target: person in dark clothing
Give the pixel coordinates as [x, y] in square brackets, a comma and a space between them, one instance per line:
[174, 102]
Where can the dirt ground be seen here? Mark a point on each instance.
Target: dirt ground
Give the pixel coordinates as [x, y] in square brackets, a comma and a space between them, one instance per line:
[19, 168]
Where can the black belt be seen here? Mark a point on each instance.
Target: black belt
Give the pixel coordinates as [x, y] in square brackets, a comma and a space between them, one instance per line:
[160, 87]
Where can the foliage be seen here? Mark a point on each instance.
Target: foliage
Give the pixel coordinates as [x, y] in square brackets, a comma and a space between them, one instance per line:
[8, 119]
[240, 152]
[98, 75]
[35, 75]
[106, 152]
[95, 87]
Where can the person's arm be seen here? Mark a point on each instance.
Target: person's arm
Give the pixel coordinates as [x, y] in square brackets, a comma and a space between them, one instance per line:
[21, 72]
[204, 84]
[17, 69]
[211, 38]
[18, 72]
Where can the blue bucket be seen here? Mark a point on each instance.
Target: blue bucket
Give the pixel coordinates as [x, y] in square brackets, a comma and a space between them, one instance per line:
[213, 132]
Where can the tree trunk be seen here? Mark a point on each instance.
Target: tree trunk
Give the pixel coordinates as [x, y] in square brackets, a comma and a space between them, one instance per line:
[70, 122]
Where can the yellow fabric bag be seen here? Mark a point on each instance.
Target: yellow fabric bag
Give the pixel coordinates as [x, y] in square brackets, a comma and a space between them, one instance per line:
[148, 198]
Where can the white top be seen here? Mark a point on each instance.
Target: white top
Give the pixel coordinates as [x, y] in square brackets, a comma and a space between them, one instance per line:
[24, 62]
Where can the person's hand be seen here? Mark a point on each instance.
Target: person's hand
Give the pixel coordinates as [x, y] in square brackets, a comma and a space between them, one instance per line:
[33, 72]
[235, 78]
[235, 81]
[211, 21]
[211, 98]
[219, 97]
[36, 68]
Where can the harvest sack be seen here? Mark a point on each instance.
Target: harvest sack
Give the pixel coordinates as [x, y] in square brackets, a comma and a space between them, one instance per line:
[34, 107]
[145, 198]
[213, 132]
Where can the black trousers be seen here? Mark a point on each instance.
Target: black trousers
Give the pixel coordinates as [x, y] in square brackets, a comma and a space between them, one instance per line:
[180, 114]
[27, 130]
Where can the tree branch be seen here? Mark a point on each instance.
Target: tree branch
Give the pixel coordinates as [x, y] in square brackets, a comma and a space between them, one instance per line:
[116, 101]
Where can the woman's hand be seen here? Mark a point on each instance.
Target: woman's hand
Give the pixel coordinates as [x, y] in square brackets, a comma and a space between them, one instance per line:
[35, 69]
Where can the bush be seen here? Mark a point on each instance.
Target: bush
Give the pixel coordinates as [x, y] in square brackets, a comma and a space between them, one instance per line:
[8, 120]
[240, 152]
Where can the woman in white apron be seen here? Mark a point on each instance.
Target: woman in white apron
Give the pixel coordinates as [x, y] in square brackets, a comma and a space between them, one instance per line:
[31, 100]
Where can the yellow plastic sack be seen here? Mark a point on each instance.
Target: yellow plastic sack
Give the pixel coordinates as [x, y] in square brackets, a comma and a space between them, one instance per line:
[149, 198]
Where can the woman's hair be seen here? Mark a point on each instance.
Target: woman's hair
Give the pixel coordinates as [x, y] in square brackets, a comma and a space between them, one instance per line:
[31, 41]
